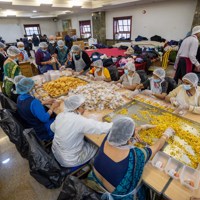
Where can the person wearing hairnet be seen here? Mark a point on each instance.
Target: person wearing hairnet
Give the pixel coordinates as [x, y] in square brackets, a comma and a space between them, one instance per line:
[10, 69]
[130, 79]
[118, 165]
[62, 52]
[52, 45]
[80, 60]
[23, 56]
[98, 72]
[43, 58]
[186, 97]
[3, 57]
[155, 86]
[69, 147]
[32, 110]
[186, 56]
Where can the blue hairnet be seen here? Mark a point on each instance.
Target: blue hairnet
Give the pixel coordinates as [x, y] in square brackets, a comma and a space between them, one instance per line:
[121, 131]
[24, 86]
[60, 43]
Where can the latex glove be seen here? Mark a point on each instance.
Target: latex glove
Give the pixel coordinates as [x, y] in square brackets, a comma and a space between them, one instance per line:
[147, 92]
[184, 107]
[62, 68]
[169, 132]
[174, 102]
[147, 126]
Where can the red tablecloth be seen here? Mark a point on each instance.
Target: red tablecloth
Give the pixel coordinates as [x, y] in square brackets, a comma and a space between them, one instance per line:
[109, 52]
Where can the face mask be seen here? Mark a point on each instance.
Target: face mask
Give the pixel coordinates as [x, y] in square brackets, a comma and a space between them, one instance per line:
[156, 80]
[61, 48]
[187, 87]
[44, 50]
[77, 57]
[52, 42]
[22, 48]
[126, 71]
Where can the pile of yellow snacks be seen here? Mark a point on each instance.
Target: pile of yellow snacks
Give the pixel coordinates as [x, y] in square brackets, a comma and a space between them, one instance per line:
[154, 103]
[62, 86]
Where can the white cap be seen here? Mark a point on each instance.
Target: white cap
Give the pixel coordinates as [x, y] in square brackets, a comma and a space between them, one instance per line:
[196, 30]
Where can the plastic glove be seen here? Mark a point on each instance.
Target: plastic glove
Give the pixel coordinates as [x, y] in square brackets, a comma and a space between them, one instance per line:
[174, 102]
[147, 92]
[147, 126]
[184, 107]
[62, 68]
[133, 94]
[119, 85]
[98, 78]
[169, 132]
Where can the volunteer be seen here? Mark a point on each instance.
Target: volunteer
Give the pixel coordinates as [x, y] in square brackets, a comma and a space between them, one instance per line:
[80, 60]
[62, 52]
[99, 72]
[130, 79]
[186, 56]
[69, 147]
[52, 45]
[118, 165]
[3, 57]
[23, 56]
[43, 58]
[156, 86]
[187, 95]
[32, 110]
[11, 69]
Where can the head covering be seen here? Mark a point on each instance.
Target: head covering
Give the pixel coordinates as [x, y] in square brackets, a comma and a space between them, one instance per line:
[196, 30]
[18, 78]
[160, 73]
[75, 48]
[2, 45]
[60, 43]
[13, 51]
[74, 102]
[130, 66]
[129, 51]
[192, 78]
[121, 131]
[43, 45]
[20, 44]
[97, 63]
[24, 86]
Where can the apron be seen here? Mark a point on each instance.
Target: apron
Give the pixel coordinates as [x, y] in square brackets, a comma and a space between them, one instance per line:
[102, 74]
[62, 55]
[45, 68]
[79, 64]
[155, 87]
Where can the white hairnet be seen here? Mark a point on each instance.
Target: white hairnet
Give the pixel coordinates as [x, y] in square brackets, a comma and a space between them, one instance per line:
[75, 48]
[18, 78]
[97, 63]
[13, 51]
[60, 43]
[196, 30]
[130, 66]
[160, 73]
[2, 45]
[24, 86]
[20, 44]
[74, 102]
[43, 45]
[192, 78]
[121, 131]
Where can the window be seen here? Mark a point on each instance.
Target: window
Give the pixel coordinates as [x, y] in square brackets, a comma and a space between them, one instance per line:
[122, 27]
[30, 29]
[85, 29]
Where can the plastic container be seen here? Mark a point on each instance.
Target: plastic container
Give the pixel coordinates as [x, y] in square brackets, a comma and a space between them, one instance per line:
[160, 160]
[190, 178]
[173, 168]
[54, 74]
[47, 76]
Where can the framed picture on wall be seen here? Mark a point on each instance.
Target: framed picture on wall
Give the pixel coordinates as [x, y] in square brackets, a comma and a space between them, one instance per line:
[67, 24]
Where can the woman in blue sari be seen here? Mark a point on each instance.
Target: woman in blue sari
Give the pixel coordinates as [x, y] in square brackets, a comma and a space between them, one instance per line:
[118, 166]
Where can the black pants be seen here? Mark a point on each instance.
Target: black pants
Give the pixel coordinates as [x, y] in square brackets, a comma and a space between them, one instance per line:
[181, 70]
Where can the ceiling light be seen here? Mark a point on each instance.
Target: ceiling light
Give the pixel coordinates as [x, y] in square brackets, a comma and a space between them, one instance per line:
[6, 161]
[76, 3]
[9, 12]
[45, 1]
[34, 11]
[5, 0]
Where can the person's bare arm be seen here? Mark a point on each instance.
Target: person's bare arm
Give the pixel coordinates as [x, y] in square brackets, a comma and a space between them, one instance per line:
[160, 96]
[131, 87]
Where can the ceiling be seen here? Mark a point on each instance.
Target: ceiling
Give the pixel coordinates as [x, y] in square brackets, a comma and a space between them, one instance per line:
[59, 8]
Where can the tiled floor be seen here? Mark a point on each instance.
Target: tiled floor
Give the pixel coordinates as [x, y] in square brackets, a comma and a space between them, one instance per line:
[15, 180]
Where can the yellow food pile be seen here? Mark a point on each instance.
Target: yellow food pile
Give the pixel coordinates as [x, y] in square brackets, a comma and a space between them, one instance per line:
[62, 86]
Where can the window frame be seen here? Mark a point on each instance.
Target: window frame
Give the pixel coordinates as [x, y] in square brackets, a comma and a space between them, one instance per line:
[85, 23]
[116, 19]
[30, 26]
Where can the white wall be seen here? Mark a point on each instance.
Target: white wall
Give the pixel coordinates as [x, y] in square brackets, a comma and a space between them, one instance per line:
[169, 19]
[75, 22]
[12, 29]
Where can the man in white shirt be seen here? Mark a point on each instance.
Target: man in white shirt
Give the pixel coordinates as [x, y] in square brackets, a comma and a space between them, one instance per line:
[186, 56]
